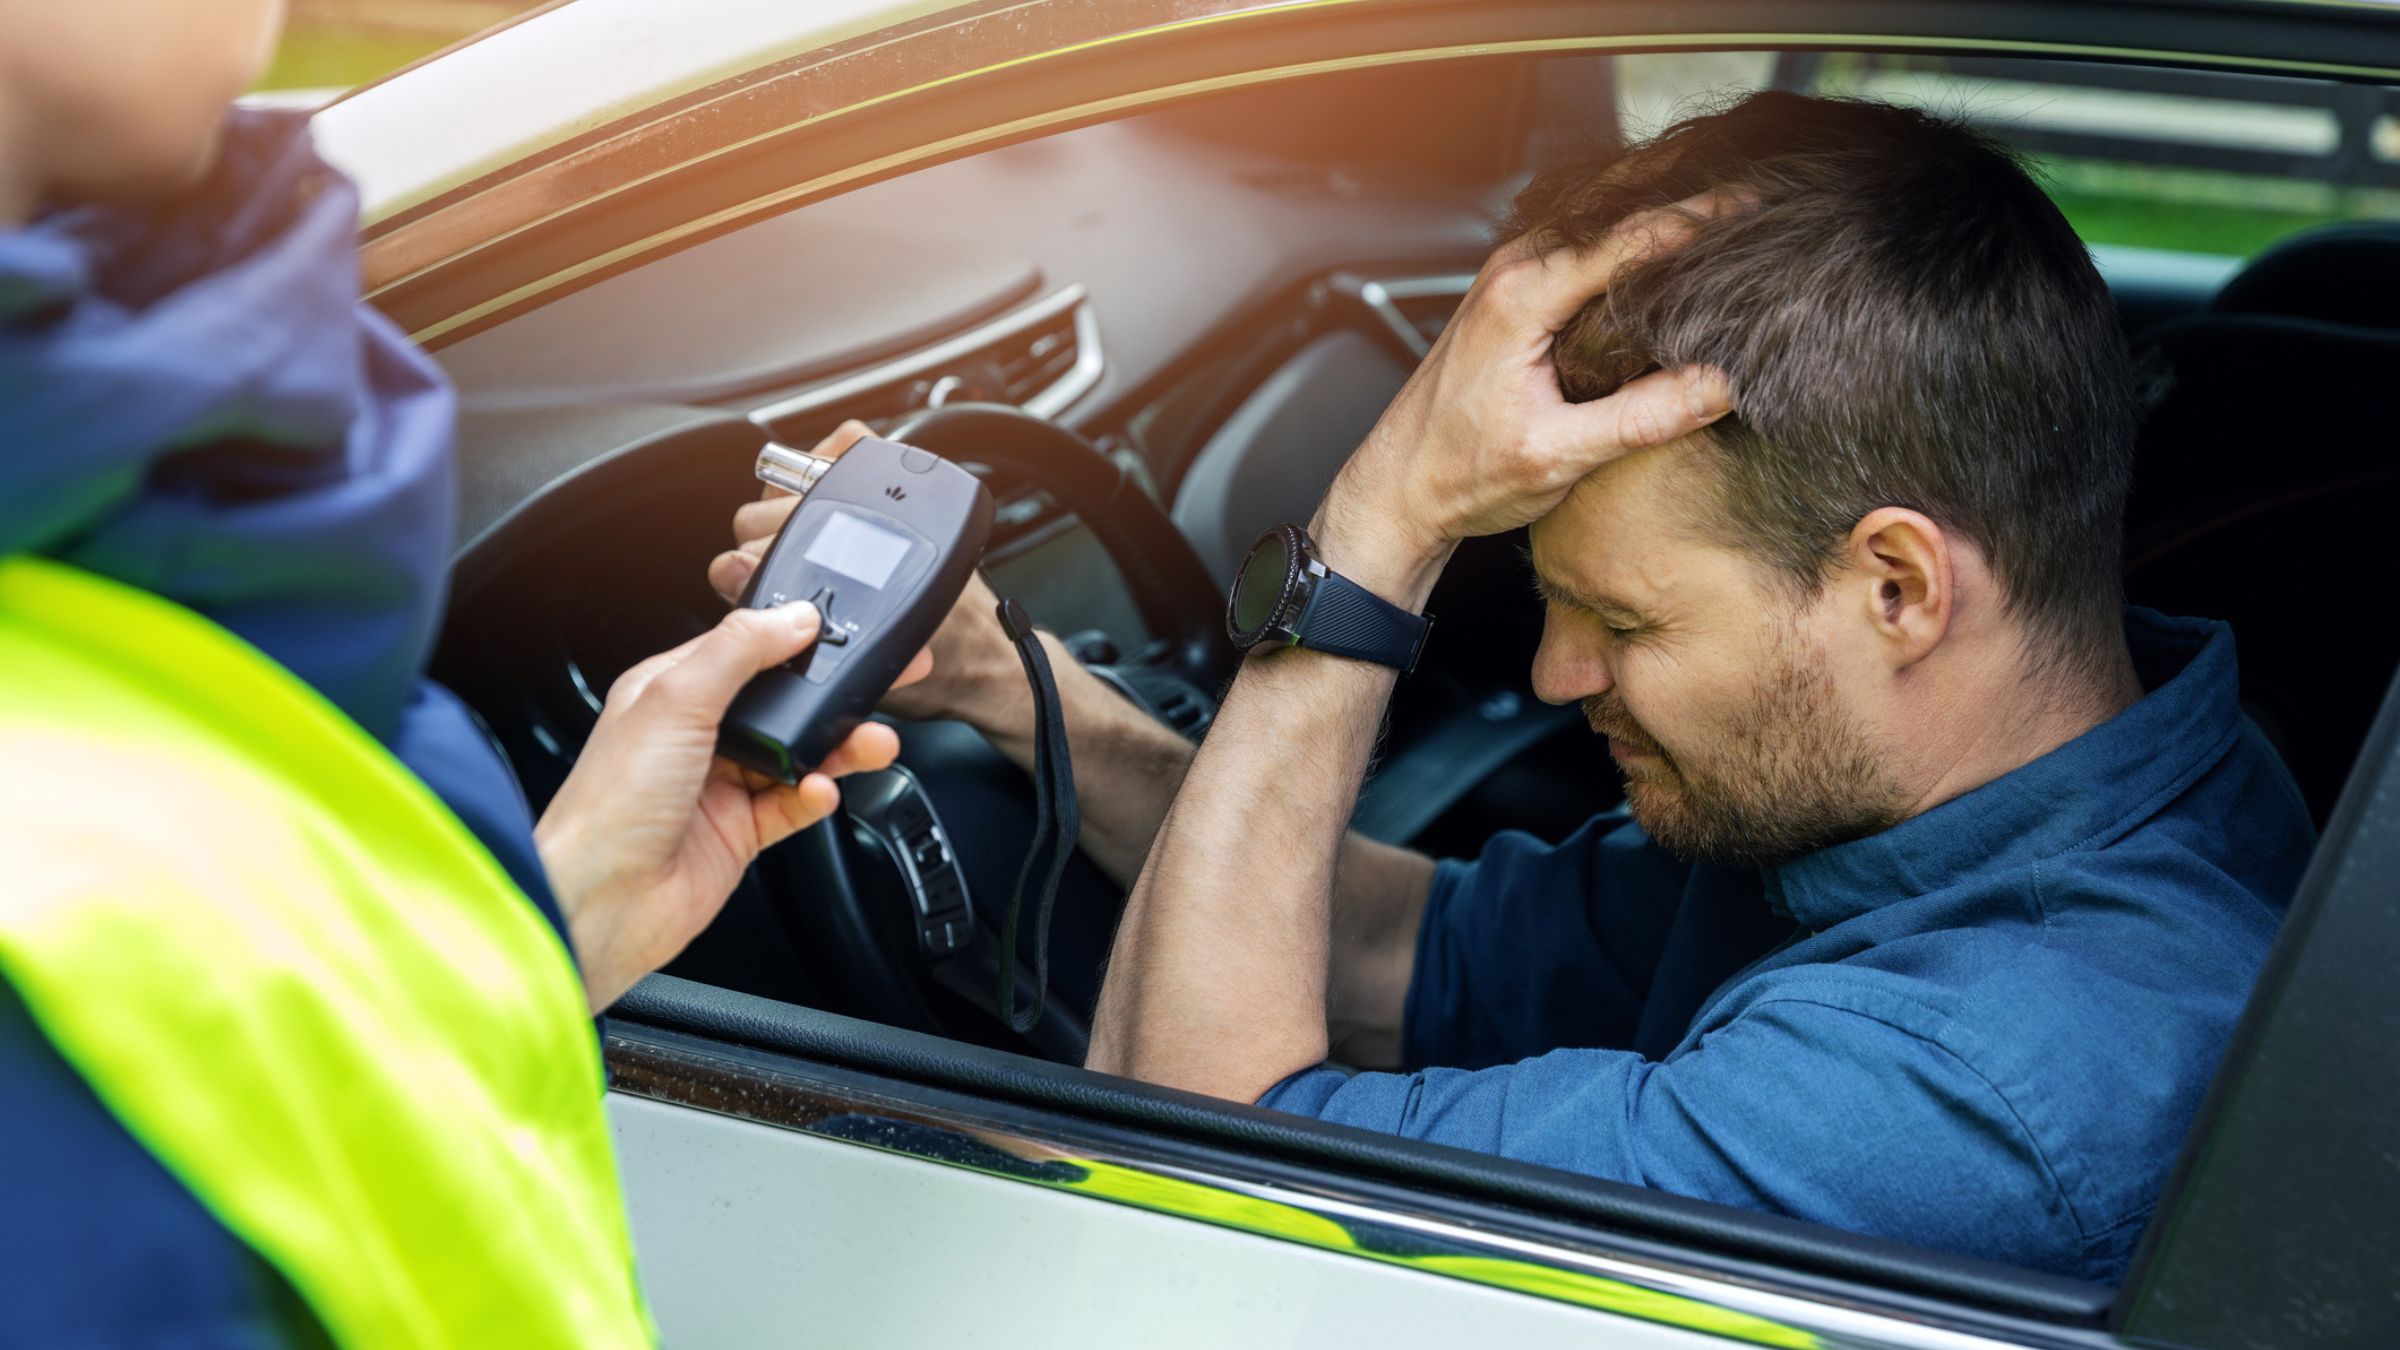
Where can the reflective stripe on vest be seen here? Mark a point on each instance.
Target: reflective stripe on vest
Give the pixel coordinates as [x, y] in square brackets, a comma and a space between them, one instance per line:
[299, 981]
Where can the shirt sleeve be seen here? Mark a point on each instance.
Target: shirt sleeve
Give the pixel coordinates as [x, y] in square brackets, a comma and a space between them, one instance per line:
[1531, 946]
[1793, 1107]
[440, 742]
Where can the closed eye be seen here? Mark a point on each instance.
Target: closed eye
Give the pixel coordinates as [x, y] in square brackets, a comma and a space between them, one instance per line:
[1613, 619]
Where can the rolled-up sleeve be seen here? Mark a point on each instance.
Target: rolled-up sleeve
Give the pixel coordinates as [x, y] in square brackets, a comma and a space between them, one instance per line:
[1532, 946]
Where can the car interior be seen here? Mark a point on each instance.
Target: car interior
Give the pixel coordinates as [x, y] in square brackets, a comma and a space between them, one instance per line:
[1156, 336]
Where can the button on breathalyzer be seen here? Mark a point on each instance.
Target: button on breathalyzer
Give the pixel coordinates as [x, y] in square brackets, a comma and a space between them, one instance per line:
[883, 542]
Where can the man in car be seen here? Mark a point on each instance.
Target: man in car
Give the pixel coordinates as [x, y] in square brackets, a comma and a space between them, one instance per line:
[1942, 875]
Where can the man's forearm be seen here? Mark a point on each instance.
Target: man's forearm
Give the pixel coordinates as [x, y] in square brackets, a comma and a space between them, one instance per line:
[1219, 979]
[1128, 764]
[1128, 767]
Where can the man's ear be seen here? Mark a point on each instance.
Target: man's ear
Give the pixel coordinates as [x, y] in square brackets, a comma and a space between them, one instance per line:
[1900, 575]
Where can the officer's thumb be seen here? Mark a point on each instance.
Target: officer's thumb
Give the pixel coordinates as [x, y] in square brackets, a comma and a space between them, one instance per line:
[696, 690]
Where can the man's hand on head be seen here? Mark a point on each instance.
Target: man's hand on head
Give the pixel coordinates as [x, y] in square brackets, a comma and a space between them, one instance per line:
[1480, 440]
[1222, 973]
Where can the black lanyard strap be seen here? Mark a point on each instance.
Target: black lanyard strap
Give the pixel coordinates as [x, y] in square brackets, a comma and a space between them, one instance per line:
[1057, 821]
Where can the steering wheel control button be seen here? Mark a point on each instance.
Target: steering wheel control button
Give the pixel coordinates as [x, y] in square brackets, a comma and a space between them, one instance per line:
[930, 856]
[937, 893]
[894, 810]
[953, 936]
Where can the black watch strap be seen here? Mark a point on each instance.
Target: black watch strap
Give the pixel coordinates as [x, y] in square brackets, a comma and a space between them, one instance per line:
[1344, 618]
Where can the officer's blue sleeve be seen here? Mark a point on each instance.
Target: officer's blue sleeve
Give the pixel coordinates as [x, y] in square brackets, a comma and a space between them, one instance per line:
[1793, 1107]
[102, 1245]
[440, 741]
[1532, 946]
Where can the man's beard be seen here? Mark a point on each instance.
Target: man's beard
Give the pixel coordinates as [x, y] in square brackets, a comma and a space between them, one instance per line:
[1788, 774]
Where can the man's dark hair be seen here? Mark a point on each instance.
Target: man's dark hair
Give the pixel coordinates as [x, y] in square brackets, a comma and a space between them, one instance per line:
[1906, 320]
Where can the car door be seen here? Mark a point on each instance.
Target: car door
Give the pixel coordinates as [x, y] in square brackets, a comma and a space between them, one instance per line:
[793, 1175]
[798, 1175]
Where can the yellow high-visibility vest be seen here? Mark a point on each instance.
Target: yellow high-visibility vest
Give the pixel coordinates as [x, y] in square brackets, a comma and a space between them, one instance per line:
[299, 980]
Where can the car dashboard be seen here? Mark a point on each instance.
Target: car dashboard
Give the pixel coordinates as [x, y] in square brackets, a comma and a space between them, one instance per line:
[1220, 297]
[1216, 301]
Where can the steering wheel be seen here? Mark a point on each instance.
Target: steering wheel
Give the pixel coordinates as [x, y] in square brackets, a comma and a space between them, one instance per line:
[1172, 590]
[874, 875]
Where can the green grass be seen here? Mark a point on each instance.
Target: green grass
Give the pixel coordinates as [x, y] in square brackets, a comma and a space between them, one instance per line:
[2197, 211]
[2147, 205]
[2166, 225]
[330, 56]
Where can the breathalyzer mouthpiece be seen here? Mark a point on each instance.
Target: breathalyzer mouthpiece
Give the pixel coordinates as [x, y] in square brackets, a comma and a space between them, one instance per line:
[792, 470]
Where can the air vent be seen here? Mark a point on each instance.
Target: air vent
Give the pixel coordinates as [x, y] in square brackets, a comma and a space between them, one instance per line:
[1416, 309]
[1041, 358]
[1034, 362]
[1427, 315]
[1147, 682]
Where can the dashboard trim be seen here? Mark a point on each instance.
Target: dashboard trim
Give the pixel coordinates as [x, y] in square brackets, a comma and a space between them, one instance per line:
[1383, 295]
[1080, 379]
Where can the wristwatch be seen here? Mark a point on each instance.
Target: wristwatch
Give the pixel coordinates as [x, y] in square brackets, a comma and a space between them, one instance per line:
[1284, 595]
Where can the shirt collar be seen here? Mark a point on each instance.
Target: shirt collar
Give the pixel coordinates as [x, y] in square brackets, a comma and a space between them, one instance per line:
[2080, 795]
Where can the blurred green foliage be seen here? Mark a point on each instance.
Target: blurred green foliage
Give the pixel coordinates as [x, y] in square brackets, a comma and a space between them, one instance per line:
[2102, 219]
[2195, 211]
[2148, 205]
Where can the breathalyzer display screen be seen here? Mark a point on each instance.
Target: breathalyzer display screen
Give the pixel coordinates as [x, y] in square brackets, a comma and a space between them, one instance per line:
[857, 549]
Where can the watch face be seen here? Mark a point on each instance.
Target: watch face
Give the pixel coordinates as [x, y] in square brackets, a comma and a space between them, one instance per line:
[1258, 591]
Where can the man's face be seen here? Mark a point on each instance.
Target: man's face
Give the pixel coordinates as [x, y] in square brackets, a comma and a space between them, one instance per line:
[1740, 726]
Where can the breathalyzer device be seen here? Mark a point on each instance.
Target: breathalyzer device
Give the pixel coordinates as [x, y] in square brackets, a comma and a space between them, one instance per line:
[882, 543]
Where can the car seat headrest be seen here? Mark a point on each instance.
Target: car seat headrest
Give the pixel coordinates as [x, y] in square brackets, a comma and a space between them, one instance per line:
[2348, 274]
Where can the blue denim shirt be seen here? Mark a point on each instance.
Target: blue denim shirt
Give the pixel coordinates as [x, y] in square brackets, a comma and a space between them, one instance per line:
[1984, 1030]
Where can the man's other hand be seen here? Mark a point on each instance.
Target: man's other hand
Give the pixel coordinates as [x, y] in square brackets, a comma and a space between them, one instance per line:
[1480, 440]
[648, 835]
[975, 673]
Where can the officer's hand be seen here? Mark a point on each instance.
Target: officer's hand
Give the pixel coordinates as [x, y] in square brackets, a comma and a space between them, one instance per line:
[975, 672]
[651, 830]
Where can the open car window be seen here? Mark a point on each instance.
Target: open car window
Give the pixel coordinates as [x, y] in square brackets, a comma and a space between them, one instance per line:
[1226, 381]
[2198, 162]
